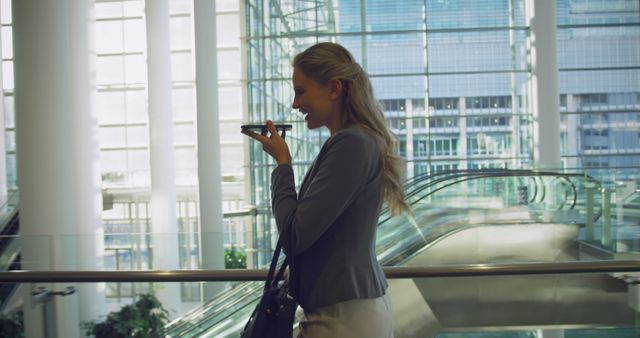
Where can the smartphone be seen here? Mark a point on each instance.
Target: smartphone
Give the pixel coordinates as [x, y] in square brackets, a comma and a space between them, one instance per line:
[261, 128]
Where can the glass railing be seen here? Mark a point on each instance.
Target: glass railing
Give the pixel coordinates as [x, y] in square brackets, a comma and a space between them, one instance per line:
[460, 217]
[546, 206]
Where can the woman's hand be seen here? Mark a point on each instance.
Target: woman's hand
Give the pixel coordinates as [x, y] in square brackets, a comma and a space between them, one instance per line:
[274, 145]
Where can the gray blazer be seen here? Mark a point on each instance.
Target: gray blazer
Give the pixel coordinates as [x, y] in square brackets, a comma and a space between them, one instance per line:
[331, 224]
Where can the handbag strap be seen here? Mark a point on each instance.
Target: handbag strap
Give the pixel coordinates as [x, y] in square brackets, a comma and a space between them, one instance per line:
[271, 279]
[290, 257]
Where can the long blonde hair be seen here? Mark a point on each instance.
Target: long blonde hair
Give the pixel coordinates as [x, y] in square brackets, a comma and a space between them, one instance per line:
[328, 61]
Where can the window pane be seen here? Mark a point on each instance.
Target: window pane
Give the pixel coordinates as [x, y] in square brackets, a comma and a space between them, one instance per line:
[109, 37]
[137, 136]
[9, 112]
[179, 6]
[228, 30]
[138, 174]
[229, 65]
[233, 156]
[181, 33]
[7, 42]
[133, 8]
[227, 5]
[7, 75]
[110, 107]
[468, 14]
[229, 132]
[108, 10]
[110, 70]
[182, 66]
[10, 141]
[136, 106]
[111, 137]
[135, 69]
[230, 102]
[185, 158]
[183, 104]
[5, 11]
[113, 161]
[134, 37]
[184, 134]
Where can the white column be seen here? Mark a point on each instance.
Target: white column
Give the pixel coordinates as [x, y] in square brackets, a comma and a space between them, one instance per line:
[248, 189]
[164, 226]
[545, 99]
[88, 199]
[209, 171]
[45, 157]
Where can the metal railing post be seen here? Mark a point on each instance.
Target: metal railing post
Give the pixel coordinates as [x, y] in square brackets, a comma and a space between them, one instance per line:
[590, 234]
[606, 218]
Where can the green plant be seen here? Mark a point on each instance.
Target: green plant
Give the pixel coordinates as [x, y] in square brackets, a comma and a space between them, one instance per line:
[144, 318]
[11, 326]
[234, 258]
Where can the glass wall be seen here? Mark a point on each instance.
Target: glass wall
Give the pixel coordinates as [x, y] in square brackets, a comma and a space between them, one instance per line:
[599, 72]
[452, 77]
[7, 94]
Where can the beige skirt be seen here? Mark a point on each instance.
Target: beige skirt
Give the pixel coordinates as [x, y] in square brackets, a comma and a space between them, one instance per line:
[359, 318]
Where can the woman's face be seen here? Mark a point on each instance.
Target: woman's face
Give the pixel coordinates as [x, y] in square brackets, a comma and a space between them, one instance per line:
[316, 101]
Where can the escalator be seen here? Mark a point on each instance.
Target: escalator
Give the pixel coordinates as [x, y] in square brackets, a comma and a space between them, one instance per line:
[445, 205]
[9, 250]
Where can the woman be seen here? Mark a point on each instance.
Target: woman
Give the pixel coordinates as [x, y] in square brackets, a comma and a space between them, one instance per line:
[330, 226]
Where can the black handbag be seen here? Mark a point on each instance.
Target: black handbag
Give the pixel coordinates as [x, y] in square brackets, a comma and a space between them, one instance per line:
[274, 315]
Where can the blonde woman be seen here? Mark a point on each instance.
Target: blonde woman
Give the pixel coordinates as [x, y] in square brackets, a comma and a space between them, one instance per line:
[330, 225]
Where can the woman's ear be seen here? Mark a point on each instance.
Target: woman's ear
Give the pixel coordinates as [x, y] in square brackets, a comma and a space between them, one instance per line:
[336, 89]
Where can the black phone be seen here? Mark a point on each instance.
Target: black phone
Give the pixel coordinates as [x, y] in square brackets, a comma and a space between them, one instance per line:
[262, 128]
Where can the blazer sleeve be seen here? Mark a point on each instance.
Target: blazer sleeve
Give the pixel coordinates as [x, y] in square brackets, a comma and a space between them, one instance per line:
[340, 175]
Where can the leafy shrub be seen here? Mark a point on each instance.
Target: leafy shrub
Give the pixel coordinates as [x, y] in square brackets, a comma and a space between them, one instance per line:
[144, 318]
[11, 326]
[234, 258]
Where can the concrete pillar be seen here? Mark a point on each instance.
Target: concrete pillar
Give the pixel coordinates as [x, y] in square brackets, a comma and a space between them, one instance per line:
[88, 195]
[208, 125]
[545, 100]
[164, 226]
[42, 39]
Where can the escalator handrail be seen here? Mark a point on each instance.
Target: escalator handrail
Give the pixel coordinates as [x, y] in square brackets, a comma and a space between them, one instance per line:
[431, 180]
[470, 175]
[12, 200]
